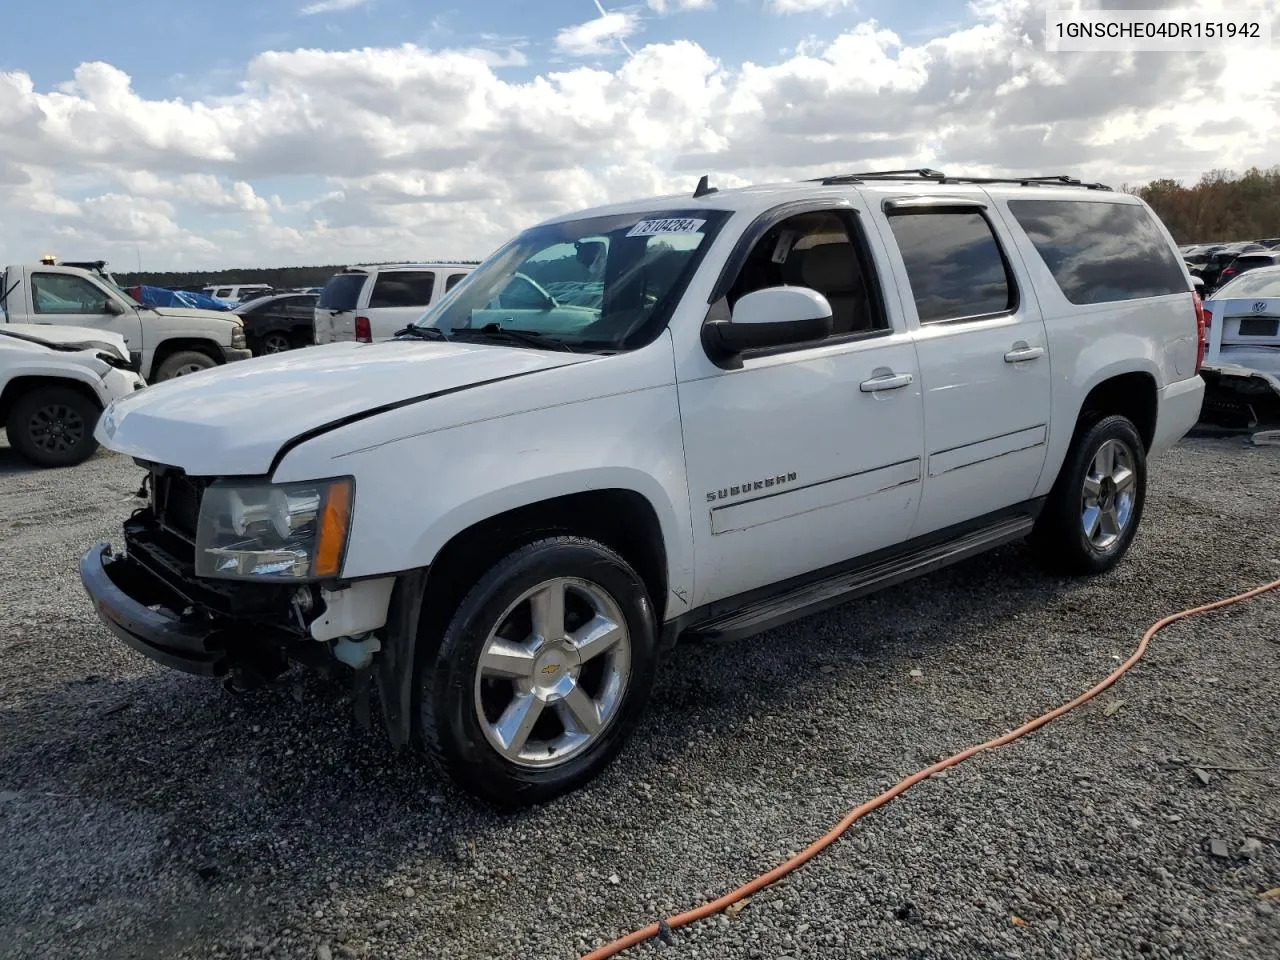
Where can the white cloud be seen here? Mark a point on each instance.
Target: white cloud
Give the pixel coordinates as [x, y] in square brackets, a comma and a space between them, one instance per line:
[664, 6]
[597, 37]
[332, 6]
[325, 156]
[808, 6]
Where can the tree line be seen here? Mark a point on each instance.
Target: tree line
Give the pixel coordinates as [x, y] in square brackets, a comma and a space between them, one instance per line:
[279, 278]
[1222, 206]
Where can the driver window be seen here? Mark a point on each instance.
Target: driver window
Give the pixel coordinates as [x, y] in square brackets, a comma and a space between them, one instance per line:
[63, 293]
[818, 251]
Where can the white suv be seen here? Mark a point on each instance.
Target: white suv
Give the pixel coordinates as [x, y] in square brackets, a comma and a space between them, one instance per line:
[742, 407]
[369, 303]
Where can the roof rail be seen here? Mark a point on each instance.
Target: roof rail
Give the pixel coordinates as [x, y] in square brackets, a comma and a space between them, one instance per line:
[937, 176]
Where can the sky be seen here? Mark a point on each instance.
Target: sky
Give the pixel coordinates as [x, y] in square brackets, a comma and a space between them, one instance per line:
[176, 134]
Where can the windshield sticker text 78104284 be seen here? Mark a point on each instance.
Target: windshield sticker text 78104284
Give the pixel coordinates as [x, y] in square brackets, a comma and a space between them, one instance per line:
[653, 228]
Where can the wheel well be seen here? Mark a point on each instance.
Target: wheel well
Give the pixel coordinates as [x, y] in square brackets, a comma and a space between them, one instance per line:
[19, 387]
[620, 519]
[1131, 395]
[177, 345]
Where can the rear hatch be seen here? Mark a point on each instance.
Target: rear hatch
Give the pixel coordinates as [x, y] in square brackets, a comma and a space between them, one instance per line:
[335, 316]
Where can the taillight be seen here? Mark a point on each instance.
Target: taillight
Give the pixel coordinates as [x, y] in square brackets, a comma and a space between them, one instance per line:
[1203, 318]
[363, 331]
[1229, 272]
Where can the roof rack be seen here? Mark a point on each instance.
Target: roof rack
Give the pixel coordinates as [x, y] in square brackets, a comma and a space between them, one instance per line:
[937, 176]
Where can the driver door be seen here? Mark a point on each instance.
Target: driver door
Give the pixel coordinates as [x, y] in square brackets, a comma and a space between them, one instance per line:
[68, 299]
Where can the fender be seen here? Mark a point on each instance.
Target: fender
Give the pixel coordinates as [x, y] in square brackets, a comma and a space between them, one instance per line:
[50, 367]
[1069, 396]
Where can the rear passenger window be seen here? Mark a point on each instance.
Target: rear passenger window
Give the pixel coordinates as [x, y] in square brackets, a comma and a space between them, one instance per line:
[954, 265]
[402, 289]
[1100, 251]
[453, 281]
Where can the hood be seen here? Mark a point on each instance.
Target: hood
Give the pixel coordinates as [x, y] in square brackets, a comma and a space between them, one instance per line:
[86, 338]
[232, 420]
[192, 313]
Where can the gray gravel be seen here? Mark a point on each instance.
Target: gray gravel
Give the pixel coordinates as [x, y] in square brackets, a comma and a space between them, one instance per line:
[147, 814]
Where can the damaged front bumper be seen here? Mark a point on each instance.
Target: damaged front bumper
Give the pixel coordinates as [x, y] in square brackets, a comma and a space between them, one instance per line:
[149, 596]
[168, 620]
[131, 603]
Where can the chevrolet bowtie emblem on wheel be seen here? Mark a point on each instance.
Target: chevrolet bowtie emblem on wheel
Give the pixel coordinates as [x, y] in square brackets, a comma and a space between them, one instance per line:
[551, 668]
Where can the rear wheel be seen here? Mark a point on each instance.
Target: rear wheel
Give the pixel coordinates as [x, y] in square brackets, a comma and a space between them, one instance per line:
[1094, 509]
[184, 362]
[539, 679]
[275, 342]
[53, 426]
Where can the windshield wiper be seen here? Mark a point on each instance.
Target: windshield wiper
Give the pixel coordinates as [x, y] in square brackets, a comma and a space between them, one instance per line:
[422, 333]
[529, 338]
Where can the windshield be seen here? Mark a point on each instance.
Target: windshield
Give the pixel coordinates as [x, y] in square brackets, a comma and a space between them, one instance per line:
[604, 282]
[1264, 282]
[342, 292]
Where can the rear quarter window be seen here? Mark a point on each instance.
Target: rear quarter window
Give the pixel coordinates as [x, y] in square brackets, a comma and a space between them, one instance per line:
[342, 292]
[402, 288]
[1101, 252]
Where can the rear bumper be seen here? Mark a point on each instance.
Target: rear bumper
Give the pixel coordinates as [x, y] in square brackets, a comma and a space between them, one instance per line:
[1179, 411]
[123, 594]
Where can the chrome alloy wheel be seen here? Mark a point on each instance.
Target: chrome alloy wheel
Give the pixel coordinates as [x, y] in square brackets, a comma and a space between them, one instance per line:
[553, 673]
[1109, 494]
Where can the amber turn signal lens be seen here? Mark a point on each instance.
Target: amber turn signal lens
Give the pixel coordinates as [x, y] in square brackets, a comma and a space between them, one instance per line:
[335, 519]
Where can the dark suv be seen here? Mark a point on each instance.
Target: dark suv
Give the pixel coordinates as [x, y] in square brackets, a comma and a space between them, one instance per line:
[283, 321]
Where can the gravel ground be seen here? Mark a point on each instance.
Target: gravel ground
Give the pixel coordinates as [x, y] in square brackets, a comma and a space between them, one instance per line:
[145, 814]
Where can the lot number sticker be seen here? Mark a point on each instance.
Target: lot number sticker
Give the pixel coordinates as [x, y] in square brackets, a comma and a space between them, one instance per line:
[654, 228]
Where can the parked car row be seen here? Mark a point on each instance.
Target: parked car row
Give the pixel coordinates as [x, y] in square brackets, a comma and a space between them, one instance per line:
[1218, 263]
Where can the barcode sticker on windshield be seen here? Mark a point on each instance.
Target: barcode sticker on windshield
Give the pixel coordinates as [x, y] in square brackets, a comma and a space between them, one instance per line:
[654, 228]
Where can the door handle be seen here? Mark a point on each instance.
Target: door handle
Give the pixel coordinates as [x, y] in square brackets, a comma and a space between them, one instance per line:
[1021, 353]
[892, 381]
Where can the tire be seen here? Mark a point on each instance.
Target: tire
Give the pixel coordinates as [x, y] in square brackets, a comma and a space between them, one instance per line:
[1113, 510]
[274, 342]
[462, 707]
[53, 426]
[182, 363]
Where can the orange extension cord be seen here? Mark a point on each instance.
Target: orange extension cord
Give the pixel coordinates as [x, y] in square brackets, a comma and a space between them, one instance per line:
[815, 848]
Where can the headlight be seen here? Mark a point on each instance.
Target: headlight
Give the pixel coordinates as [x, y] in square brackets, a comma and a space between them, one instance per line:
[237, 336]
[290, 532]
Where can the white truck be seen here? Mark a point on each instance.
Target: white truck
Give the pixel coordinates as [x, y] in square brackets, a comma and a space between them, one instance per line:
[768, 401]
[163, 342]
[54, 384]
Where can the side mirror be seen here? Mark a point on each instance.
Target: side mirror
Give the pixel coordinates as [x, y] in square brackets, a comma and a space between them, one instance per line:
[113, 307]
[773, 317]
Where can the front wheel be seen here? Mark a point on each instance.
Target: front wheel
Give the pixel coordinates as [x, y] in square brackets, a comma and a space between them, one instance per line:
[184, 362]
[1094, 509]
[539, 679]
[53, 426]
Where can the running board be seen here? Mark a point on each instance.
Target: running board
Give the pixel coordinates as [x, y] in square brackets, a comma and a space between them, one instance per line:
[819, 595]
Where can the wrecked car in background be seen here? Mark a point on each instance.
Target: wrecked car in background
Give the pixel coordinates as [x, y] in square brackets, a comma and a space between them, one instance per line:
[1242, 358]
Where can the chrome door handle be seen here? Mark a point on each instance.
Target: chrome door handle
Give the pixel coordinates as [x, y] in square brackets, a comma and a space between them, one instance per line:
[893, 381]
[1022, 354]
